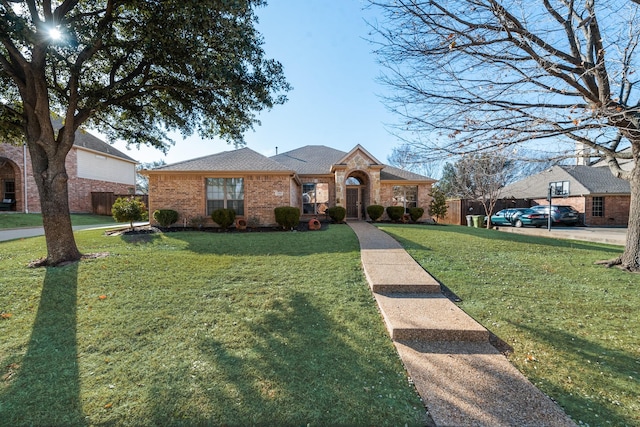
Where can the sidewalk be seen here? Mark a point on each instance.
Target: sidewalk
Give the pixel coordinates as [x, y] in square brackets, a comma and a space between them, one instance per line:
[22, 233]
[462, 379]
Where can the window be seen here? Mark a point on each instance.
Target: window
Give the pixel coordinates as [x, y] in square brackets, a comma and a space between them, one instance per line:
[225, 193]
[406, 196]
[597, 206]
[315, 198]
[9, 190]
[559, 188]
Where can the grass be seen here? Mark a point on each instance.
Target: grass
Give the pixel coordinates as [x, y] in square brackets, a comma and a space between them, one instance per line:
[20, 220]
[191, 328]
[574, 326]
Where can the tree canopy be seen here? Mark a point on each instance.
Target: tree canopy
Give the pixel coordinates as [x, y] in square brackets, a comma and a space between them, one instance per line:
[134, 70]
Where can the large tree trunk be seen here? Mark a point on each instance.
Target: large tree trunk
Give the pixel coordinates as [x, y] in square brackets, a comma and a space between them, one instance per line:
[630, 259]
[51, 178]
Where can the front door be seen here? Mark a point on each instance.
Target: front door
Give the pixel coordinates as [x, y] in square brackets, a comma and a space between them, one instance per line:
[353, 202]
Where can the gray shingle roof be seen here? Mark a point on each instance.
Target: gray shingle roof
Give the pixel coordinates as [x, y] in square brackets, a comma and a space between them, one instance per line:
[308, 160]
[311, 159]
[243, 159]
[583, 180]
[86, 140]
[318, 160]
[389, 173]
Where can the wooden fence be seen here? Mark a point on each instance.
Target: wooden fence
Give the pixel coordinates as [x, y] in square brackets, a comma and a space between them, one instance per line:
[458, 209]
[101, 202]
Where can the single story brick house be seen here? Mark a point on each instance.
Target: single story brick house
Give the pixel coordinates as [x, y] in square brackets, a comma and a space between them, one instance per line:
[312, 178]
[601, 198]
[92, 166]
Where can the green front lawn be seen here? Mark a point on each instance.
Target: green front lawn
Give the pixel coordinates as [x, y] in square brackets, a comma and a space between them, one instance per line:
[20, 220]
[191, 328]
[574, 326]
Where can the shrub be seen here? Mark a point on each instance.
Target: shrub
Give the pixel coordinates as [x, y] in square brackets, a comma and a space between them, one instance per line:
[223, 217]
[287, 217]
[128, 209]
[337, 213]
[416, 213]
[438, 206]
[165, 217]
[198, 221]
[253, 222]
[375, 212]
[395, 213]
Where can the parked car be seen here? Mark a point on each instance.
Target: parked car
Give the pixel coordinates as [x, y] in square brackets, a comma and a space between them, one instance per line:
[560, 215]
[517, 217]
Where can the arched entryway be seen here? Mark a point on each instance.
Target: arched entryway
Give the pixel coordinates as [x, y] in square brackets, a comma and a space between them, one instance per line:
[8, 185]
[357, 195]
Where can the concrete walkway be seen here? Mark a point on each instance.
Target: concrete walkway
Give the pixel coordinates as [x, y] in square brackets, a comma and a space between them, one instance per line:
[462, 379]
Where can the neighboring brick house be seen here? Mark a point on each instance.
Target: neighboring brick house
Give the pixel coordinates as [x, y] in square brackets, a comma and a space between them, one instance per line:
[92, 166]
[312, 178]
[601, 198]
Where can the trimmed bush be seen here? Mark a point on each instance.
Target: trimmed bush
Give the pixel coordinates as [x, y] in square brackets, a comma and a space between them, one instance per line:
[223, 217]
[165, 217]
[198, 221]
[395, 213]
[287, 217]
[337, 213]
[416, 213]
[128, 209]
[375, 212]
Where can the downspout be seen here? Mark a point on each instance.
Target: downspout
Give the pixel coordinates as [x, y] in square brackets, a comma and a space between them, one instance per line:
[24, 181]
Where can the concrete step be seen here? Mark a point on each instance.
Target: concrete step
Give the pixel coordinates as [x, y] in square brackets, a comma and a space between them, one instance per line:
[428, 317]
[393, 270]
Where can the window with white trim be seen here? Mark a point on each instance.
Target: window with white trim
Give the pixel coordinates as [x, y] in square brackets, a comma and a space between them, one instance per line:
[315, 197]
[227, 193]
[406, 196]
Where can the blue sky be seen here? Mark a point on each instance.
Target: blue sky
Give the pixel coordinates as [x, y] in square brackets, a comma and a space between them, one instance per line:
[335, 98]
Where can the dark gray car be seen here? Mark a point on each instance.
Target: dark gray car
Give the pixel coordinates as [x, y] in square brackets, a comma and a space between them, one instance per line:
[560, 215]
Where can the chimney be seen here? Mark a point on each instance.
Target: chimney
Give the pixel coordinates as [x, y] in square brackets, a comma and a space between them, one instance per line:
[583, 154]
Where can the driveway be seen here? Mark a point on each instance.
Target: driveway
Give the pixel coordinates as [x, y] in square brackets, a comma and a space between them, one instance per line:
[610, 235]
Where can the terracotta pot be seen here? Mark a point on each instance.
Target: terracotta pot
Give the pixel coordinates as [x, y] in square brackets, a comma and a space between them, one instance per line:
[241, 224]
[314, 224]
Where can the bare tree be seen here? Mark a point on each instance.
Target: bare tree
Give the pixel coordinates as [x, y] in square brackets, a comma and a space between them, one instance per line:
[544, 76]
[479, 176]
[406, 157]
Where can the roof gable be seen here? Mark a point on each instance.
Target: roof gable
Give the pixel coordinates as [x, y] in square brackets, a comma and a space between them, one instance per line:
[358, 149]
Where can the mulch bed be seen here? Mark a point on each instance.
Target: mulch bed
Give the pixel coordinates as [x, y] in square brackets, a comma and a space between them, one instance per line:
[150, 229]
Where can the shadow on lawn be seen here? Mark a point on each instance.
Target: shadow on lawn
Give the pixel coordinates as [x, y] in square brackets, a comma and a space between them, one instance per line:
[298, 370]
[610, 366]
[508, 237]
[46, 390]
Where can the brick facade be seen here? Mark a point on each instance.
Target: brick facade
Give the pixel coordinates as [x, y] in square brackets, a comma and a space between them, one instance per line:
[186, 194]
[616, 209]
[182, 187]
[79, 188]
